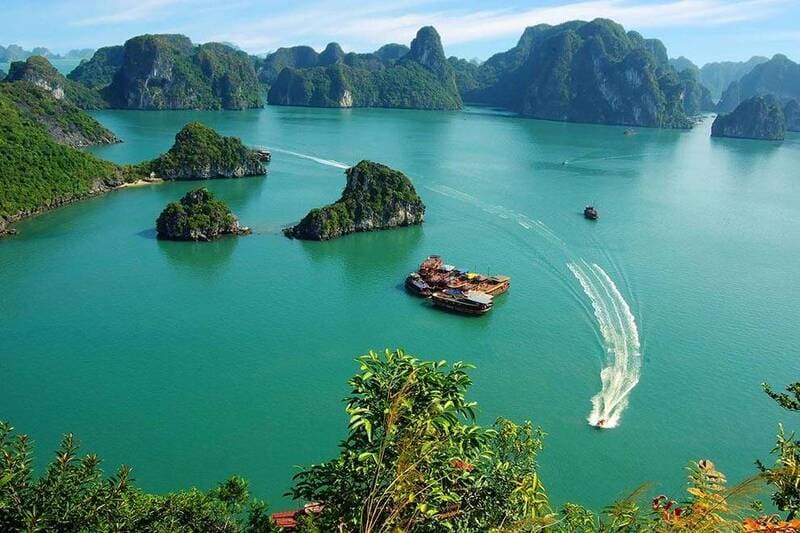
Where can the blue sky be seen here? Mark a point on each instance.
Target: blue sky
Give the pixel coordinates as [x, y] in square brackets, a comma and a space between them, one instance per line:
[703, 30]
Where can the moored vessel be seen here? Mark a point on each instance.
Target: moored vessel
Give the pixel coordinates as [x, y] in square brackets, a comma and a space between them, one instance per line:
[590, 213]
[465, 302]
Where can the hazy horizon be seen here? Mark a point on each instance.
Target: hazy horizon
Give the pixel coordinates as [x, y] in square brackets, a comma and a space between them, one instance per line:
[702, 30]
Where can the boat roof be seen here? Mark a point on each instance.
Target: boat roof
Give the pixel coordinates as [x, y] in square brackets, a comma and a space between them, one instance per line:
[479, 297]
[500, 278]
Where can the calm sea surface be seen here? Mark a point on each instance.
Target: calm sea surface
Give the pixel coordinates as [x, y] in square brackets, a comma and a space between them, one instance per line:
[192, 362]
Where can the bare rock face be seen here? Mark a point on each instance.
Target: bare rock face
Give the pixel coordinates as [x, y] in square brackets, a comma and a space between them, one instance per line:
[376, 197]
[760, 117]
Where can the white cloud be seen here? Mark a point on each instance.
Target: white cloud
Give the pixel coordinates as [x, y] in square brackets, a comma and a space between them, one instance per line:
[371, 25]
[127, 11]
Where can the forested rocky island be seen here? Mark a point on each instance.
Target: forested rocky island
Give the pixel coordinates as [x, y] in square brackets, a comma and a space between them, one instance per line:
[420, 78]
[376, 197]
[41, 169]
[201, 153]
[583, 72]
[759, 117]
[198, 216]
[171, 72]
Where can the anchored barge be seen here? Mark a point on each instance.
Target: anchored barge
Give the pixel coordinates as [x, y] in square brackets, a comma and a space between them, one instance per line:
[455, 289]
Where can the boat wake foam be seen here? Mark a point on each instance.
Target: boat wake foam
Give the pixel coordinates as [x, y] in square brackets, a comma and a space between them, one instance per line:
[620, 339]
[326, 162]
[499, 211]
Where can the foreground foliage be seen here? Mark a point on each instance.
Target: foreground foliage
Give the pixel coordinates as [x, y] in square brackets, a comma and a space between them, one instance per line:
[414, 460]
[72, 495]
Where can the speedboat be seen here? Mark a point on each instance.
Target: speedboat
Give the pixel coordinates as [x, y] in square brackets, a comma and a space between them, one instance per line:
[590, 213]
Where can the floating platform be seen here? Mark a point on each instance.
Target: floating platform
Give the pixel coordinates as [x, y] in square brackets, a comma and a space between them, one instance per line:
[455, 289]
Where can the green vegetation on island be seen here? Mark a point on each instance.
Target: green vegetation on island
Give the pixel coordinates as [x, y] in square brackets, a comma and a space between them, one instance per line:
[376, 197]
[198, 216]
[582, 72]
[98, 72]
[65, 122]
[40, 169]
[199, 152]
[759, 117]
[414, 459]
[170, 72]
[419, 79]
[37, 173]
[39, 71]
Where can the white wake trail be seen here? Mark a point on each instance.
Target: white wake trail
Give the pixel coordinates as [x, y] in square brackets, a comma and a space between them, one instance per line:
[326, 162]
[620, 339]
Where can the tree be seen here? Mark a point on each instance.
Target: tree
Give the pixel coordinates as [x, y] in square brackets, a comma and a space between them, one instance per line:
[784, 476]
[414, 459]
[72, 495]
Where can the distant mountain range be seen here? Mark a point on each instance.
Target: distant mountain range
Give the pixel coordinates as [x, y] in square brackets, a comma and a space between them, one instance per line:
[14, 52]
[595, 72]
[719, 75]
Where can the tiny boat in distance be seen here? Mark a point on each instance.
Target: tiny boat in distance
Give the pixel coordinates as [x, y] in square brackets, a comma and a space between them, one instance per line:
[590, 213]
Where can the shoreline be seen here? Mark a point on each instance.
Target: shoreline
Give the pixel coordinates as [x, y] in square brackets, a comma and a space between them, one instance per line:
[5, 224]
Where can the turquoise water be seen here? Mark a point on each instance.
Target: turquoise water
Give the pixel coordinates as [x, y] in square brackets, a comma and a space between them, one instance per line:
[195, 361]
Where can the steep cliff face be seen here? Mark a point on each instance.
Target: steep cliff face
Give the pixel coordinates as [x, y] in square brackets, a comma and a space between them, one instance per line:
[759, 117]
[585, 72]
[376, 197]
[792, 113]
[169, 72]
[779, 76]
[420, 79]
[98, 72]
[38, 71]
[198, 216]
[200, 152]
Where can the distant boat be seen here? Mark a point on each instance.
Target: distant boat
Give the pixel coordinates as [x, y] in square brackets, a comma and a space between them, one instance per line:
[629, 131]
[590, 213]
[565, 162]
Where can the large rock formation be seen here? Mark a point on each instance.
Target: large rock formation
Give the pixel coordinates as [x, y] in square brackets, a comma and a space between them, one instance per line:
[198, 216]
[376, 197]
[38, 71]
[422, 78]
[98, 72]
[792, 113]
[200, 153]
[294, 57]
[169, 72]
[65, 122]
[760, 117]
[583, 72]
[780, 76]
[36, 172]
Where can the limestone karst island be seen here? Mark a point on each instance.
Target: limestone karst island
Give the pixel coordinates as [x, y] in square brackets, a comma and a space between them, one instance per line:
[427, 266]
